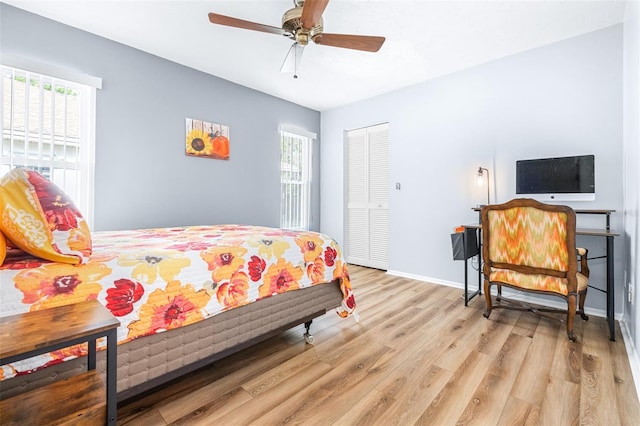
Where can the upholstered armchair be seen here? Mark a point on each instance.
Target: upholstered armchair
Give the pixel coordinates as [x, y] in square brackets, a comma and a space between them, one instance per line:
[530, 246]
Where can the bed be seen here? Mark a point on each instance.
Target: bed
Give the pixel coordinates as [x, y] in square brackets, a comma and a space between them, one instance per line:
[185, 296]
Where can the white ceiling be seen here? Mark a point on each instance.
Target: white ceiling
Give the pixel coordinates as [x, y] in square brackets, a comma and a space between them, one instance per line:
[425, 39]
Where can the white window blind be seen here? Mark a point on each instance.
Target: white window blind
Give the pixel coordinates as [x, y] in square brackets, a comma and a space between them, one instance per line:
[48, 125]
[295, 179]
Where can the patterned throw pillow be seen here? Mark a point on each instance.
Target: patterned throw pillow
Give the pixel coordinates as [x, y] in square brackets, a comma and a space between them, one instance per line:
[41, 219]
[3, 248]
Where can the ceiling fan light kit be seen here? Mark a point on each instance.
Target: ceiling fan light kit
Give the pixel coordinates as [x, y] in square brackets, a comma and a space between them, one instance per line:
[303, 23]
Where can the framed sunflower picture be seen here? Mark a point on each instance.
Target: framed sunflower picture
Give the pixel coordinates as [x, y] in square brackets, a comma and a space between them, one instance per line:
[207, 140]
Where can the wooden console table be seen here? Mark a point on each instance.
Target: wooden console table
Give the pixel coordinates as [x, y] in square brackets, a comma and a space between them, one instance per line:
[606, 232]
[76, 400]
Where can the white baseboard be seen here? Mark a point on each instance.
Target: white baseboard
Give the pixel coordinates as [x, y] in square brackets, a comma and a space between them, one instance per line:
[632, 354]
[515, 295]
[426, 279]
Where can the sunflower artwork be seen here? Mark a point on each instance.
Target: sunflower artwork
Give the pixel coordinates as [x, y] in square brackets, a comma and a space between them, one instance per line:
[208, 140]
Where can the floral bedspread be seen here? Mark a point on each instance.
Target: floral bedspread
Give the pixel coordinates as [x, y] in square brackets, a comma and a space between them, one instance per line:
[155, 280]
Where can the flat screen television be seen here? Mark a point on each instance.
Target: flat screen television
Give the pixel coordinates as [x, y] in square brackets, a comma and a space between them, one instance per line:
[557, 179]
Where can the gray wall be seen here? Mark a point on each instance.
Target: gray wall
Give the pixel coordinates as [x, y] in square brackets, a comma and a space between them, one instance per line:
[562, 99]
[632, 171]
[143, 178]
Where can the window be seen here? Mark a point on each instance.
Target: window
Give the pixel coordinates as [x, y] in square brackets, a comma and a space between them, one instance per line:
[48, 126]
[295, 178]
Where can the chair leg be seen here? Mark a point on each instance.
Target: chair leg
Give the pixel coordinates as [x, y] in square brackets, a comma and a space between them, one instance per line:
[571, 312]
[582, 297]
[487, 298]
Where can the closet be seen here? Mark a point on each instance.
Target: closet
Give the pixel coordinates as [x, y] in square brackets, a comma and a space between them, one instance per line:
[367, 216]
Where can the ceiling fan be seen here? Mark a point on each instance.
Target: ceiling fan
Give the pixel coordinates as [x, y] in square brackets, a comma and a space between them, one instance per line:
[301, 24]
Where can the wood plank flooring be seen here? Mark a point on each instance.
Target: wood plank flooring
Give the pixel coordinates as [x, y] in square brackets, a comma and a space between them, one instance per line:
[417, 356]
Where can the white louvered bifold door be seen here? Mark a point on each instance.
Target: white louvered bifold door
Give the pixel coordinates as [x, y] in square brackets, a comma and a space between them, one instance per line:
[357, 215]
[378, 138]
[368, 196]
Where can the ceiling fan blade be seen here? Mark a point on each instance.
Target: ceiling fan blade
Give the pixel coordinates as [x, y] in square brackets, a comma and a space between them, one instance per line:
[240, 23]
[292, 61]
[348, 41]
[312, 12]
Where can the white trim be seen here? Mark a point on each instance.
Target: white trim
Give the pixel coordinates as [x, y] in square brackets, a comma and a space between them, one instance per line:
[426, 279]
[632, 354]
[298, 131]
[295, 215]
[515, 295]
[88, 153]
[522, 297]
[51, 70]
[80, 187]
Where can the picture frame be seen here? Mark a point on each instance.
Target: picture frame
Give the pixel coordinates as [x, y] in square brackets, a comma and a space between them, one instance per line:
[207, 140]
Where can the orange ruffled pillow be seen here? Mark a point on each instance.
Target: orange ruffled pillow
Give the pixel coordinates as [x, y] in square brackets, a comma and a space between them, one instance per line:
[41, 219]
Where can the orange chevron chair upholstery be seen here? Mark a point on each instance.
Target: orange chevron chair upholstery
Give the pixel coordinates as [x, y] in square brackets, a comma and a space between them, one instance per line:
[530, 246]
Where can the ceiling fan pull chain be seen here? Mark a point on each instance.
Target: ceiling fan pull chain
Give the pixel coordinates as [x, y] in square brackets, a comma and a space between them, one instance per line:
[295, 62]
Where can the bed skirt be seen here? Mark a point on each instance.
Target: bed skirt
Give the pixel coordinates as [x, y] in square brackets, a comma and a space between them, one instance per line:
[150, 361]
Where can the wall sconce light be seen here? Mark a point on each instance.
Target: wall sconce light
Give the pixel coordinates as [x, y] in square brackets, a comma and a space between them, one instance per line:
[481, 181]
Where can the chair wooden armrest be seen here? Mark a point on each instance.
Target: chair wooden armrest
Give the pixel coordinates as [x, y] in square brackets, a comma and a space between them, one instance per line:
[582, 255]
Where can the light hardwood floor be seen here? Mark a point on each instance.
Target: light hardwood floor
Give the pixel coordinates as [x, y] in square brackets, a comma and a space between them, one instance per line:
[417, 356]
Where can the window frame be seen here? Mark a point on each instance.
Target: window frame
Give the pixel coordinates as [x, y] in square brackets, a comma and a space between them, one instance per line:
[300, 218]
[87, 86]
